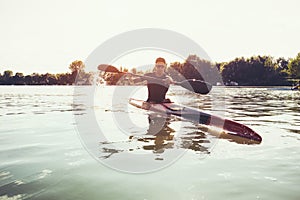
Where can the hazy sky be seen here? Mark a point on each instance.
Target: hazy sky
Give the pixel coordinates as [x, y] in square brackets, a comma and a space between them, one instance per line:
[47, 35]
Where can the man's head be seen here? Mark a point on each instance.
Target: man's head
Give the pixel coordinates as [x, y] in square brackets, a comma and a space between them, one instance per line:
[160, 60]
[160, 65]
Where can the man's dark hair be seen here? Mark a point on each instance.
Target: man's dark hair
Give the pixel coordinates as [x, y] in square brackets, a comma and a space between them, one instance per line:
[160, 60]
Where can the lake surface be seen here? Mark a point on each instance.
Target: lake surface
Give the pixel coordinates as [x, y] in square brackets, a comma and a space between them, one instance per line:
[65, 142]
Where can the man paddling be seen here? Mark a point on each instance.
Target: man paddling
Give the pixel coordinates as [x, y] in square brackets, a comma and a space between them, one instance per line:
[159, 85]
[159, 81]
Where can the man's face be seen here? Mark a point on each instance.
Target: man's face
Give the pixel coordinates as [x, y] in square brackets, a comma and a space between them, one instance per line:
[160, 66]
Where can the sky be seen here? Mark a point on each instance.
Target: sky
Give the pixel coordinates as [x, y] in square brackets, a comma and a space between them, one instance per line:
[47, 35]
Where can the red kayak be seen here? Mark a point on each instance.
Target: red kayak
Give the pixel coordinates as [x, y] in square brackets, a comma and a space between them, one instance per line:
[198, 116]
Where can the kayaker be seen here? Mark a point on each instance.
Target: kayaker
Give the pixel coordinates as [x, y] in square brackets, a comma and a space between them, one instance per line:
[157, 87]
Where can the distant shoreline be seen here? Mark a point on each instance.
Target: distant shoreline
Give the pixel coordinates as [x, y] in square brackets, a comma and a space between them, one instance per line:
[254, 71]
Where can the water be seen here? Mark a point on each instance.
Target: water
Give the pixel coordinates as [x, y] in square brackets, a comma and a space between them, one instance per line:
[50, 149]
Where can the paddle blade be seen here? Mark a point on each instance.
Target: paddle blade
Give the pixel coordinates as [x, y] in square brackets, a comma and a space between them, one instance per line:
[196, 86]
[108, 68]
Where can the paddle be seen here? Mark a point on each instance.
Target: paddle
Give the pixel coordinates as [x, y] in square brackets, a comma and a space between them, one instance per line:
[193, 85]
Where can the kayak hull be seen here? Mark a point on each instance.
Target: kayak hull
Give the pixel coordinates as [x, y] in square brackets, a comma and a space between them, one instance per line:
[198, 116]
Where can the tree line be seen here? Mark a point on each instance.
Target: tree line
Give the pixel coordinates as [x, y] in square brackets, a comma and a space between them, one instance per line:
[77, 73]
[253, 71]
[261, 71]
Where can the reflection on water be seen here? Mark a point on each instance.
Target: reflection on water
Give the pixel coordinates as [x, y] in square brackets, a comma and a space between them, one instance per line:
[24, 188]
[42, 158]
[252, 106]
[38, 100]
[259, 102]
[160, 136]
[108, 152]
[163, 136]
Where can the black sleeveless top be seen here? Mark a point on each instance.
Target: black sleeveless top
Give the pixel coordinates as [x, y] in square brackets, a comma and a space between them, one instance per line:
[157, 89]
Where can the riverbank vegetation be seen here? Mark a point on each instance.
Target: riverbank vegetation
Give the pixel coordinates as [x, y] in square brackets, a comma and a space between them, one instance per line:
[77, 73]
[253, 71]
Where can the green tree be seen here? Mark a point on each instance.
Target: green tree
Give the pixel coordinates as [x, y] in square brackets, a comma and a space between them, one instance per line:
[7, 77]
[62, 79]
[195, 68]
[77, 66]
[48, 79]
[18, 79]
[294, 67]
[36, 79]
[282, 64]
[28, 80]
[257, 70]
[7, 73]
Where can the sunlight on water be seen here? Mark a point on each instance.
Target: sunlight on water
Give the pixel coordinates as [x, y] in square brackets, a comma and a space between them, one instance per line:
[44, 154]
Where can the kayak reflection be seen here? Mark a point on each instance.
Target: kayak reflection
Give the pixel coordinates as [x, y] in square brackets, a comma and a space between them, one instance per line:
[160, 136]
[164, 136]
[197, 140]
